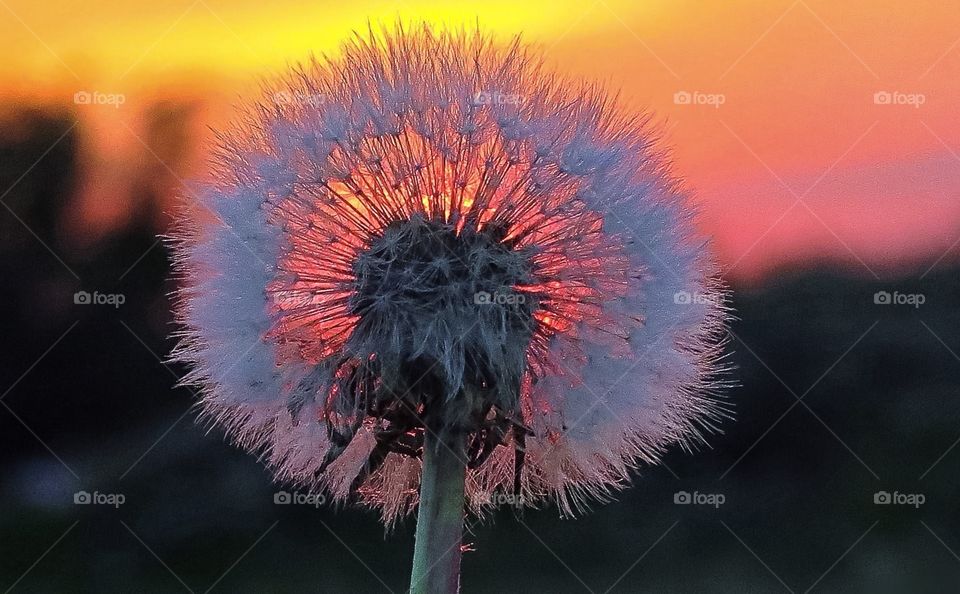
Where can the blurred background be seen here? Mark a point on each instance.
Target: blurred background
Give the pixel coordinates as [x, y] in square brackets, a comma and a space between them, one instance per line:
[822, 142]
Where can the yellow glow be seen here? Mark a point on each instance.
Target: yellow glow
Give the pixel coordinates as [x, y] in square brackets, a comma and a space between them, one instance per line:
[114, 41]
[798, 81]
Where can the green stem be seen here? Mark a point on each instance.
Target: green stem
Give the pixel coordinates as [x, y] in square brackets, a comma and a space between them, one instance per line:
[436, 556]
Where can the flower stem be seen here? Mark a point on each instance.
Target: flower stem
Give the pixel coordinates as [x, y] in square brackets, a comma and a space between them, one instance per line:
[436, 556]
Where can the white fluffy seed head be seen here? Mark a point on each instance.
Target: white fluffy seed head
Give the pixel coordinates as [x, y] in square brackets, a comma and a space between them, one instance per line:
[306, 307]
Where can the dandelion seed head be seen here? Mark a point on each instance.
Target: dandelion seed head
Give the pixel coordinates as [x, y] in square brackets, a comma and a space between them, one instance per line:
[432, 232]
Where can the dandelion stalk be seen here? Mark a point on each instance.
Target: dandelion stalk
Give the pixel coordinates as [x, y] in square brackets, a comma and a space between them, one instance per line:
[436, 556]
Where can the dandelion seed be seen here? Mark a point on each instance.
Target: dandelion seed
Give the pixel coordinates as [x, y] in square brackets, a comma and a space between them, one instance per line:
[454, 246]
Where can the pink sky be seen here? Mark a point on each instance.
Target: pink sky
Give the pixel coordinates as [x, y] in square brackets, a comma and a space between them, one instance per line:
[788, 152]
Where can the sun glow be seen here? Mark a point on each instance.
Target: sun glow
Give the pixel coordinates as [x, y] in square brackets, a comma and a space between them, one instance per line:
[798, 82]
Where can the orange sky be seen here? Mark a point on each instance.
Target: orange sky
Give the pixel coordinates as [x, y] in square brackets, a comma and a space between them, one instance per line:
[797, 161]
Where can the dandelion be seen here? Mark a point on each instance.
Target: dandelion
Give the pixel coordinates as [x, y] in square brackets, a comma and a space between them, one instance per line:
[440, 275]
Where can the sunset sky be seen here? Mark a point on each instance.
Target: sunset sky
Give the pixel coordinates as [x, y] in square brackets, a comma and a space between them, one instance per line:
[824, 129]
